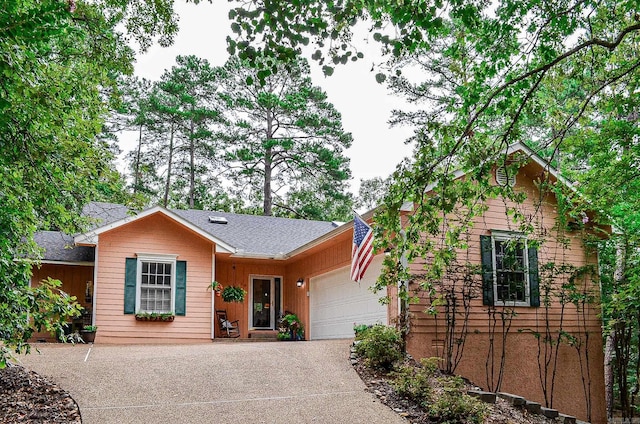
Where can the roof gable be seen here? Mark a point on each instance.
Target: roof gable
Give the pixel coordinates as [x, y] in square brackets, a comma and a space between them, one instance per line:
[241, 235]
[91, 237]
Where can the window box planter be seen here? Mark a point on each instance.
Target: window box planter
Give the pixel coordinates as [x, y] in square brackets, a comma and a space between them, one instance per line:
[153, 316]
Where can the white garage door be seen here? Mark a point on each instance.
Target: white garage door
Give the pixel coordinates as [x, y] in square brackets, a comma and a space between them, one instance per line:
[336, 302]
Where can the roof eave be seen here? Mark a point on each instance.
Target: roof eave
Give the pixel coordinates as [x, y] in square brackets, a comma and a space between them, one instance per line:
[331, 234]
[90, 238]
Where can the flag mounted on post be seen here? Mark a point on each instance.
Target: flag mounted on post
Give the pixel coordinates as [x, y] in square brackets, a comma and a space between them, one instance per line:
[362, 250]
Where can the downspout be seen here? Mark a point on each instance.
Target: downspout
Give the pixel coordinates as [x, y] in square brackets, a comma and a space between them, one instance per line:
[95, 285]
[402, 286]
[213, 295]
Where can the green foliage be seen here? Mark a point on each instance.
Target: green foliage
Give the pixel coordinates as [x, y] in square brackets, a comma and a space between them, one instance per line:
[90, 328]
[233, 294]
[416, 382]
[443, 397]
[59, 62]
[290, 327]
[284, 144]
[380, 346]
[360, 329]
[41, 308]
[453, 405]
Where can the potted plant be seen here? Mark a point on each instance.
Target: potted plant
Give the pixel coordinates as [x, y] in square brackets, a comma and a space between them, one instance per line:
[290, 328]
[233, 294]
[216, 287]
[89, 333]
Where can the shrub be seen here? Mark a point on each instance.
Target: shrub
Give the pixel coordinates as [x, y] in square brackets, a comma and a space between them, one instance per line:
[415, 382]
[453, 406]
[359, 329]
[380, 346]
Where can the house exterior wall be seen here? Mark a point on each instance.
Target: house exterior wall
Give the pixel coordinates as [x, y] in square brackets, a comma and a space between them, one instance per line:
[159, 235]
[74, 279]
[329, 256]
[579, 362]
[237, 272]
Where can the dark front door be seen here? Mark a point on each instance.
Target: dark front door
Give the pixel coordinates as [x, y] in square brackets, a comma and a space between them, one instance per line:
[262, 303]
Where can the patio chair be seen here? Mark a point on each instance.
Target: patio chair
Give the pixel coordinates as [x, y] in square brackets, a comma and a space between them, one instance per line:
[227, 328]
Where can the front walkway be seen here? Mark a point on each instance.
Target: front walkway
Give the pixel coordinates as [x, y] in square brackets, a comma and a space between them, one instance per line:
[286, 382]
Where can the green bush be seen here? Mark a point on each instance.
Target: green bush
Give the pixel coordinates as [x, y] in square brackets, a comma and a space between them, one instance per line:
[415, 382]
[359, 329]
[380, 346]
[453, 406]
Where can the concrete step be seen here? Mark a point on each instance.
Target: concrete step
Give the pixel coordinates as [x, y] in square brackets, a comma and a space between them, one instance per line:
[263, 335]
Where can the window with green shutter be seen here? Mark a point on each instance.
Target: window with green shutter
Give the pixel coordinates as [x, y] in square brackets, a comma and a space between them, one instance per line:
[509, 270]
[155, 283]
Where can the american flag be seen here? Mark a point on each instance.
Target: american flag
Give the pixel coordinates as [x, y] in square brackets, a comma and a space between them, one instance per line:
[362, 250]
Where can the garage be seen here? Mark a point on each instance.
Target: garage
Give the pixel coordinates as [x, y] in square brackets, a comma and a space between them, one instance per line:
[336, 302]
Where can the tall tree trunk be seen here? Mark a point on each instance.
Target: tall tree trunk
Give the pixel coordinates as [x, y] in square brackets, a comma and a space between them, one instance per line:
[268, 156]
[608, 373]
[192, 168]
[167, 186]
[610, 360]
[136, 178]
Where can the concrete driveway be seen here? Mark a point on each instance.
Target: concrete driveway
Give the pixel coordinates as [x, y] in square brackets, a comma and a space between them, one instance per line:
[268, 382]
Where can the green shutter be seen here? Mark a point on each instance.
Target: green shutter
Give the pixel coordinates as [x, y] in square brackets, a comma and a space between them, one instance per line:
[181, 287]
[130, 277]
[486, 255]
[534, 281]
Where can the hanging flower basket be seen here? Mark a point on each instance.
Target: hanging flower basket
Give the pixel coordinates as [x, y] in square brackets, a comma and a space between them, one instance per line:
[233, 294]
[216, 288]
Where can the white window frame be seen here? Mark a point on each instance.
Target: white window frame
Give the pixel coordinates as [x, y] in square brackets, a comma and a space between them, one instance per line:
[509, 236]
[157, 258]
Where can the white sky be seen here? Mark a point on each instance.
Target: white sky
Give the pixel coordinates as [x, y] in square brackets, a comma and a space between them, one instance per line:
[364, 104]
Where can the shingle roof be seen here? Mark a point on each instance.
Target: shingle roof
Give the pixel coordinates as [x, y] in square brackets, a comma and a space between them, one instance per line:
[256, 234]
[59, 247]
[249, 234]
[105, 213]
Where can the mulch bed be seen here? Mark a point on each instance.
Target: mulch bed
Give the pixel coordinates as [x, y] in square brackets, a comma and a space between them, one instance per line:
[379, 383]
[26, 397]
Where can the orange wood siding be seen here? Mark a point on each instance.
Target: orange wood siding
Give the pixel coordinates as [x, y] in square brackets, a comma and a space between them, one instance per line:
[161, 235]
[74, 279]
[521, 367]
[237, 272]
[331, 255]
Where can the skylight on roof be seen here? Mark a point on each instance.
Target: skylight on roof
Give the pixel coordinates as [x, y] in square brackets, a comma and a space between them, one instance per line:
[218, 220]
